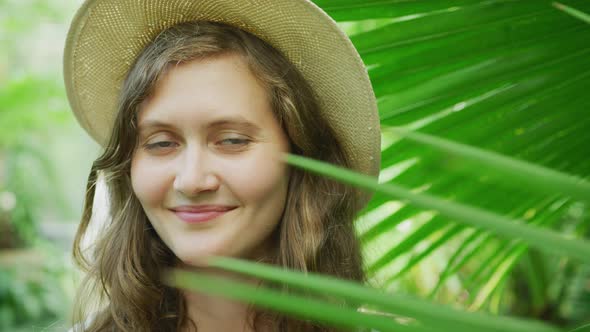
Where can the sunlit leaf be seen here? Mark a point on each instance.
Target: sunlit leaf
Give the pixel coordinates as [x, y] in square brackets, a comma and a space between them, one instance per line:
[542, 239]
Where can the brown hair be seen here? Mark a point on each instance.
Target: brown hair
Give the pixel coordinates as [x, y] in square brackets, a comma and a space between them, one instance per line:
[316, 232]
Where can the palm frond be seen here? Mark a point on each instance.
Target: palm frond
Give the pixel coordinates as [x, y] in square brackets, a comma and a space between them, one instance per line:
[485, 153]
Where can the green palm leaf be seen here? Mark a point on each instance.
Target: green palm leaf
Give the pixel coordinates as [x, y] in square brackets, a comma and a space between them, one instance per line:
[485, 155]
[572, 11]
[443, 318]
[543, 239]
[541, 178]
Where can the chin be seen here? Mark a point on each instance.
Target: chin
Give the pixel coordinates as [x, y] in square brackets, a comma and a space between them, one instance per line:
[193, 259]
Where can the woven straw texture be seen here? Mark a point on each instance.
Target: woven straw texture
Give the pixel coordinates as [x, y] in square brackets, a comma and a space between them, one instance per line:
[106, 36]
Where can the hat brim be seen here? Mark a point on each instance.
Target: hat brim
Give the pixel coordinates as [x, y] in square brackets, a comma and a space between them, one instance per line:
[106, 36]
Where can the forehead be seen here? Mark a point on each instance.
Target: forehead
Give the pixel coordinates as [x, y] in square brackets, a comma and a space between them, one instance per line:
[205, 90]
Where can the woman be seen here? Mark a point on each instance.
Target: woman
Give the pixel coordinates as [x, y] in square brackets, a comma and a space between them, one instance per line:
[195, 103]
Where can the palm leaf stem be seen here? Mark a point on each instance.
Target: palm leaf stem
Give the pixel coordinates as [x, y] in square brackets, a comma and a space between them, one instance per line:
[423, 311]
[505, 136]
[541, 178]
[411, 240]
[537, 237]
[407, 211]
[572, 11]
[297, 306]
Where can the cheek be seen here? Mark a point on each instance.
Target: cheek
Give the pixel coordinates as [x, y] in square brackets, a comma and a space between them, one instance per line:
[258, 180]
[148, 181]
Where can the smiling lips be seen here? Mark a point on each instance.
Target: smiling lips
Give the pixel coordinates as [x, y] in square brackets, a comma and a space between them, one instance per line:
[200, 213]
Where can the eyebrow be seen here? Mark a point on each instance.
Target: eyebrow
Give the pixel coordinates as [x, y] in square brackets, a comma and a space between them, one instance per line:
[223, 122]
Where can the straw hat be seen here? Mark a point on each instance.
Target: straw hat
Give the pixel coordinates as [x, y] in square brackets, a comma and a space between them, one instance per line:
[106, 36]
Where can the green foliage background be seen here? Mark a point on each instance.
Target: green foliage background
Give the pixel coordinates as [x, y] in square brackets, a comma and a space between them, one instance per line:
[44, 159]
[505, 77]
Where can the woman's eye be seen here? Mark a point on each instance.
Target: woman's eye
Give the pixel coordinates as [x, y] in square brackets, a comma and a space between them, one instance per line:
[234, 141]
[157, 145]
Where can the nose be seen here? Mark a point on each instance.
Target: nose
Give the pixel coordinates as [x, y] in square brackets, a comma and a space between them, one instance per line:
[195, 174]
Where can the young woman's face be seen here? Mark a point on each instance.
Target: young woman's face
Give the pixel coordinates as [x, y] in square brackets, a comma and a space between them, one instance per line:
[207, 168]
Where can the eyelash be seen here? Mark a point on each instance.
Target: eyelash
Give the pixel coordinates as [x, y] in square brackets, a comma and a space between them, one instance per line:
[240, 141]
[156, 145]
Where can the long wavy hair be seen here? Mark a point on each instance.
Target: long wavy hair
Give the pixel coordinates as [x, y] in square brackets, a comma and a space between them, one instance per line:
[122, 283]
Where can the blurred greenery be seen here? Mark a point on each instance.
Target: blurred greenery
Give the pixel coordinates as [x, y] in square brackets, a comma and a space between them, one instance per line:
[44, 157]
[35, 292]
[500, 76]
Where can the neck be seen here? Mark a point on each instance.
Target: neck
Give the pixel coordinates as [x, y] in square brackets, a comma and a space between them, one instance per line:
[213, 313]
